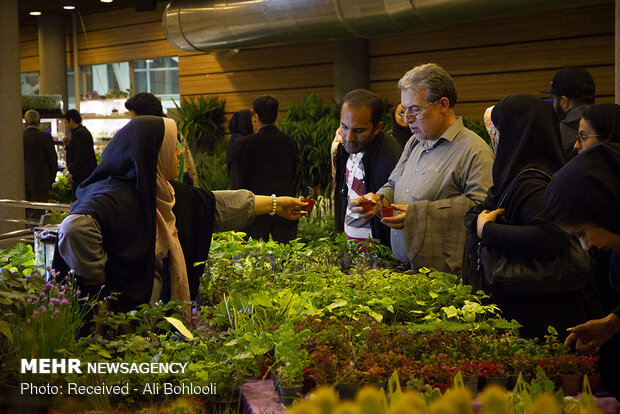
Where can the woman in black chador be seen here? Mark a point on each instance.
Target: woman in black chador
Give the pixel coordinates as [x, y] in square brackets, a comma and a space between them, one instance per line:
[511, 220]
[584, 200]
[137, 231]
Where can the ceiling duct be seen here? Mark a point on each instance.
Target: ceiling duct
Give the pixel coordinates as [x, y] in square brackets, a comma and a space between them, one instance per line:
[208, 25]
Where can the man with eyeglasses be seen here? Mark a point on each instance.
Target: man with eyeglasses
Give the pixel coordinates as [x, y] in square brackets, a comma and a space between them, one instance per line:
[443, 171]
[364, 160]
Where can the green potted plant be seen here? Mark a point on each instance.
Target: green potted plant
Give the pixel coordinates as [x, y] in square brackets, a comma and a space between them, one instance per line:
[292, 360]
[348, 380]
[202, 122]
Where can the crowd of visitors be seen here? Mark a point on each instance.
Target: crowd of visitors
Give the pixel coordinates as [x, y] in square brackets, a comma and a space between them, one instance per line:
[509, 217]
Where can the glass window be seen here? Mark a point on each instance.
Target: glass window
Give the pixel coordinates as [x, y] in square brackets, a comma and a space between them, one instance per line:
[159, 76]
[30, 83]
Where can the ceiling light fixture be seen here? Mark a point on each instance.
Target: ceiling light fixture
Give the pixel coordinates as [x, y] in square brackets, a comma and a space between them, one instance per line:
[106, 1]
[35, 13]
[68, 7]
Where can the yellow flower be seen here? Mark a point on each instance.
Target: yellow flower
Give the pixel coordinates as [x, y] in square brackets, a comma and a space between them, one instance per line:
[347, 407]
[371, 400]
[304, 407]
[325, 399]
[546, 404]
[442, 406]
[460, 399]
[494, 400]
[409, 403]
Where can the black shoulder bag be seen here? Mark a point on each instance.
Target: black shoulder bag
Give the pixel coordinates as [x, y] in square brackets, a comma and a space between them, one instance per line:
[505, 275]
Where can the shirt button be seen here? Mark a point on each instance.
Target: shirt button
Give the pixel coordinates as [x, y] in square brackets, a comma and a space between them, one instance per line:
[416, 170]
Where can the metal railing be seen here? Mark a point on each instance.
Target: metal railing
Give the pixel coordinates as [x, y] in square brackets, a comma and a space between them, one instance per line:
[35, 205]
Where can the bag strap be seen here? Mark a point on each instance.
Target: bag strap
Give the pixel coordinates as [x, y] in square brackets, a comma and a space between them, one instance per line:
[545, 175]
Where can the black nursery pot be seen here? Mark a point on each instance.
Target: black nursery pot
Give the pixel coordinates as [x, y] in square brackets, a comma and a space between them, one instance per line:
[288, 394]
[347, 391]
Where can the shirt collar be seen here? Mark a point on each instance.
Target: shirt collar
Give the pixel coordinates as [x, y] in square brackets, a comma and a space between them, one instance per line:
[449, 134]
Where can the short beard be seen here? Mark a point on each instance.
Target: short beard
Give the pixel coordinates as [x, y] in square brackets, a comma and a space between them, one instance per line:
[559, 112]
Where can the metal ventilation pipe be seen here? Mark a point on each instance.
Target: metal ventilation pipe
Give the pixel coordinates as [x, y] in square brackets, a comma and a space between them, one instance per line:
[207, 25]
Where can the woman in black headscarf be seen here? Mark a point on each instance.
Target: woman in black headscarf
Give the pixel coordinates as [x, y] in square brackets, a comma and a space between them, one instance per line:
[599, 123]
[584, 200]
[240, 126]
[528, 153]
[136, 232]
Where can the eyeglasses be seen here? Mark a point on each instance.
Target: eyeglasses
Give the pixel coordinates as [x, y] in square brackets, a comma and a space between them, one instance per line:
[414, 114]
[581, 137]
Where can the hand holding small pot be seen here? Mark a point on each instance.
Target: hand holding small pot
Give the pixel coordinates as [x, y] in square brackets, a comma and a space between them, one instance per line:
[394, 221]
[366, 206]
[291, 208]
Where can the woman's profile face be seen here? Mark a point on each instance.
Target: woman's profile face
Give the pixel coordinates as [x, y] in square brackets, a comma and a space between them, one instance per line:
[587, 137]
[590, 234]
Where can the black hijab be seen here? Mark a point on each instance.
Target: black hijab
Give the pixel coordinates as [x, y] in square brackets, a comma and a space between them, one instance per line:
[590, 185]
[120, 194]
[241, 123]
[605, 120]
[529, 137]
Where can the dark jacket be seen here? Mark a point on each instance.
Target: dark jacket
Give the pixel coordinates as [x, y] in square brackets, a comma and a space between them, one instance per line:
[40, 161]
[267, 162]
[81, 159]
[380, 158]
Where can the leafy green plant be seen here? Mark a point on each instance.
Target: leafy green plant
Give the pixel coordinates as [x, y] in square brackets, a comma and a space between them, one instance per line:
[202, 122]
[44, 104]
[117, 94]
[478, 127]
[212, 172]
[289, 353]
[313, 125]
[61, 189]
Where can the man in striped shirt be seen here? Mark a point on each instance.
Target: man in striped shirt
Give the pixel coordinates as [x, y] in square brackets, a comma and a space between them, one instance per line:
[364, 161]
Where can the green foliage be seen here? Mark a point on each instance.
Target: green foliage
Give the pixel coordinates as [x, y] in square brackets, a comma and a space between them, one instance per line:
[478, 127]
[41, 103]
[20, 259]
[56, 217]
[212, 171]
[289, 353]
[313, 125]
[202, 122]
[61, 190]
[313, 229]
[117, 94]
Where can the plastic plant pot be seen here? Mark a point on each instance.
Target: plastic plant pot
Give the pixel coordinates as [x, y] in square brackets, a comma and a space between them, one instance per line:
[387, 212]
[310, 205]
[367, 205]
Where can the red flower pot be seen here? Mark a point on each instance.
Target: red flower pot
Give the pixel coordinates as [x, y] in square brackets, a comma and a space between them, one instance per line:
[367, 205]
[387, 211]
[310, 205]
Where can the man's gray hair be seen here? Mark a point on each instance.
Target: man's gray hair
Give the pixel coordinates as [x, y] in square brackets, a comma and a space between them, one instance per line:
[32, 117]
[433, 79]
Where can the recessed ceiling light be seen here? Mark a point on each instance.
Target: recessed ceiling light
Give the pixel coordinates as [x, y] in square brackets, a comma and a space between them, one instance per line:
[106, 1]
[68, 7]
[35, 13]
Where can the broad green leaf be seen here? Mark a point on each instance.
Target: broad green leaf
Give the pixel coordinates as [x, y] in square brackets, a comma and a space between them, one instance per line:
[180, 326]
